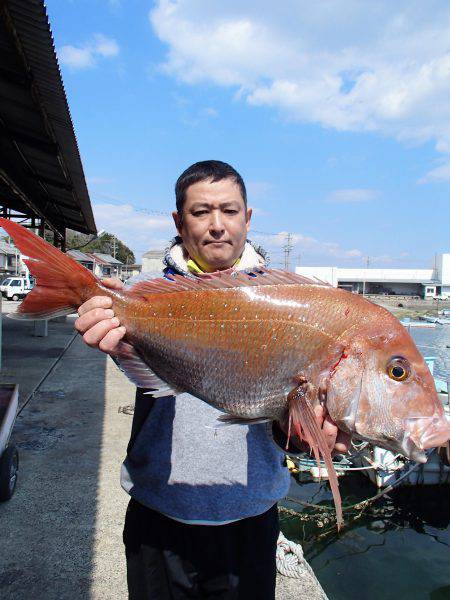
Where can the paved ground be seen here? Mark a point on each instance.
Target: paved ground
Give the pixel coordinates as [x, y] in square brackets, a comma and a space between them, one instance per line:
[61, 531]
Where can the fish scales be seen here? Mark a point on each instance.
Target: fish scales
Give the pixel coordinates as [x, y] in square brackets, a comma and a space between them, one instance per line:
[238, 348]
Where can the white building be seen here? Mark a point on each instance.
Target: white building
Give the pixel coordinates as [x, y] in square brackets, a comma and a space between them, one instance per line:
[426, 283]
[152, 262]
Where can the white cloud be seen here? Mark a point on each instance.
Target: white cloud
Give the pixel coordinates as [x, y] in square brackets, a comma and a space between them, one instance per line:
[139, 230]
[76, 58]
[306, 245]
[86, 55]
[352, 195]
[352, 66]
[104, 46]
[441, 173]
[210, 112]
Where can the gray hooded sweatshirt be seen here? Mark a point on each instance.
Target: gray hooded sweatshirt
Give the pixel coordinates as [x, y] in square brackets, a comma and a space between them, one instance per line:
[181, 465]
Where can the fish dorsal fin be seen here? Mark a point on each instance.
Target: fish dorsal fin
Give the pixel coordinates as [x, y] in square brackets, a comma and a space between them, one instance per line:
[219, 280]
[138, 372]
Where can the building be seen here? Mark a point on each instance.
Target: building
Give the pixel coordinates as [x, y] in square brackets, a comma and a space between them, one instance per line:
[105, 265]
[426, 283]
[152, 262]
[10, 262]
[130, 271]
[84, 259]
[102, 265]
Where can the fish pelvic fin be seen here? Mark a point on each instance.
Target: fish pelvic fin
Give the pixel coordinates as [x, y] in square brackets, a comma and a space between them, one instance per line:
[302, 421]
[226, 420]
[62, 284]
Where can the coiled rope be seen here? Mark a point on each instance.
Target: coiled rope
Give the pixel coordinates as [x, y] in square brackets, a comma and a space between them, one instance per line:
[289, 557]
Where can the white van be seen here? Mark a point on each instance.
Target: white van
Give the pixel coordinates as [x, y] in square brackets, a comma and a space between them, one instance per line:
[15, 288]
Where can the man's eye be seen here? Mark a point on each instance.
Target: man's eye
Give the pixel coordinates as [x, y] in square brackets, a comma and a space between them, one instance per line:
[231, 211]
[199, 213]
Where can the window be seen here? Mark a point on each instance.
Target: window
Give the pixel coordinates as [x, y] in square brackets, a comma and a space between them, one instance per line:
[6, 281]
[15, 283]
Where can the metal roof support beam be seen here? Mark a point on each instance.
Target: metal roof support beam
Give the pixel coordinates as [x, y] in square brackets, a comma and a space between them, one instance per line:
[22, 137]
[25, 198]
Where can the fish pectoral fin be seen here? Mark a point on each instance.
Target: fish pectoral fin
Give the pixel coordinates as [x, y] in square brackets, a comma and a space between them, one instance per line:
[302, 420]
[225, 420]
[138, 372]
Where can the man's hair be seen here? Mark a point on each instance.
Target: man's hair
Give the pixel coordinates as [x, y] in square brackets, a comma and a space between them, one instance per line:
[215, 170]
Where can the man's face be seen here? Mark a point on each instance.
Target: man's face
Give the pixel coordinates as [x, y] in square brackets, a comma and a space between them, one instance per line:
[214, 224]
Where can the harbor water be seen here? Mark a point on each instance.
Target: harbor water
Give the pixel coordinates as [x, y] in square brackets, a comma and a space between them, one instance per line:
[399, 547]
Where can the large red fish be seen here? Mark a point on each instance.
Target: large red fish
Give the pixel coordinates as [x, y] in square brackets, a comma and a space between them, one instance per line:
[261, 346]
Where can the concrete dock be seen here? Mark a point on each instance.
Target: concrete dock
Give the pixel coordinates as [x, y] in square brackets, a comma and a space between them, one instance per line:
[61, 533]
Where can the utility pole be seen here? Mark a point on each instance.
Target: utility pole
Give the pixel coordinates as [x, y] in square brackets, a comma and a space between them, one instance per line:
[287, 251]
[299, 257]
[367, 266]
[114, 246]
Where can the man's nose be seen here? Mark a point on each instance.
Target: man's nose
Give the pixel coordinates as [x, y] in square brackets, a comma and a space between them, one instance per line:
[216, 224]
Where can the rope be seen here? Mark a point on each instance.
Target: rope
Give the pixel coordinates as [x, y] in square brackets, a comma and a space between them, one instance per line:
[289, 557]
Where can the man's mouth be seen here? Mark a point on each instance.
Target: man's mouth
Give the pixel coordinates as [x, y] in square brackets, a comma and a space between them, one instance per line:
[217, 243]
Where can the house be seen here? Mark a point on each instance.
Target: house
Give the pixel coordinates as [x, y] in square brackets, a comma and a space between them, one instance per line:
[82, 258]
[106, 265]
[10, 261]
[102, 265]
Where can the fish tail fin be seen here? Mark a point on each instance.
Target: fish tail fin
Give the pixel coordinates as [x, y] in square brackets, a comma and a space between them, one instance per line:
[62, 284]
[303, 421]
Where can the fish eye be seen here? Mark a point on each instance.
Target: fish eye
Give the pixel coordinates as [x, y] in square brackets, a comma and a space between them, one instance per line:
[397, 369]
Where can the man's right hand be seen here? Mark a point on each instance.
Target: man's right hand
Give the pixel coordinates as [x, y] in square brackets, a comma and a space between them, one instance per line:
[96, 321]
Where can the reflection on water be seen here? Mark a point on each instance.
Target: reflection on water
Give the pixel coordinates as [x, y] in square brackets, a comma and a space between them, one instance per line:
[434, 342]
[397, 548]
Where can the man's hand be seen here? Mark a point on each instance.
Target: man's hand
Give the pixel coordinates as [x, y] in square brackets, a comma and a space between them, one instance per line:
[96, 321]
[338, 441]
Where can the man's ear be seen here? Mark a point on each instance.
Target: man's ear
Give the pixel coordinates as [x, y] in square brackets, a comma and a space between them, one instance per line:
[248, 216]
[178, 221]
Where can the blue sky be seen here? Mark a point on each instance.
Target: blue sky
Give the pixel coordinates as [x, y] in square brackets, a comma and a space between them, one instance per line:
[337, 116]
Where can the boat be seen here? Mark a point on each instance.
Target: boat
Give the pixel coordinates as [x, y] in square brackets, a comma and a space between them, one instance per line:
[406, 322]
[429, 318]
[442, 320]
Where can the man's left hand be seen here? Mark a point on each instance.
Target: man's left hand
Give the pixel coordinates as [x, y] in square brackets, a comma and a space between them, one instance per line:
[338, 441]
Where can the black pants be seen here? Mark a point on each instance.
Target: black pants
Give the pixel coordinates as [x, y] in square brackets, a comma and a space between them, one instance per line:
[171, 560]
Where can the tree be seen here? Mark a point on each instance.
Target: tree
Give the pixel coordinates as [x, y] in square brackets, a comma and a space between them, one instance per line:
[106, 244]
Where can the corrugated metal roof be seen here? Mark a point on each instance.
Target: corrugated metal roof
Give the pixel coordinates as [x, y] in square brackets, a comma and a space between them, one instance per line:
[105, 259]
[80, 256]
[40, 166]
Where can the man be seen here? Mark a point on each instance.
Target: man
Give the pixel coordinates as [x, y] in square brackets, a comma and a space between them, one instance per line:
[202, 521]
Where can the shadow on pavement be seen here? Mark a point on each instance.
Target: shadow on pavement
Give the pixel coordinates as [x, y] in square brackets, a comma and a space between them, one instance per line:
[48, 529]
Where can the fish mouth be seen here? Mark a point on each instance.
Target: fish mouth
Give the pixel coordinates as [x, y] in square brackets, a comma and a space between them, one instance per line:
[412, 451]
[423, 434]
